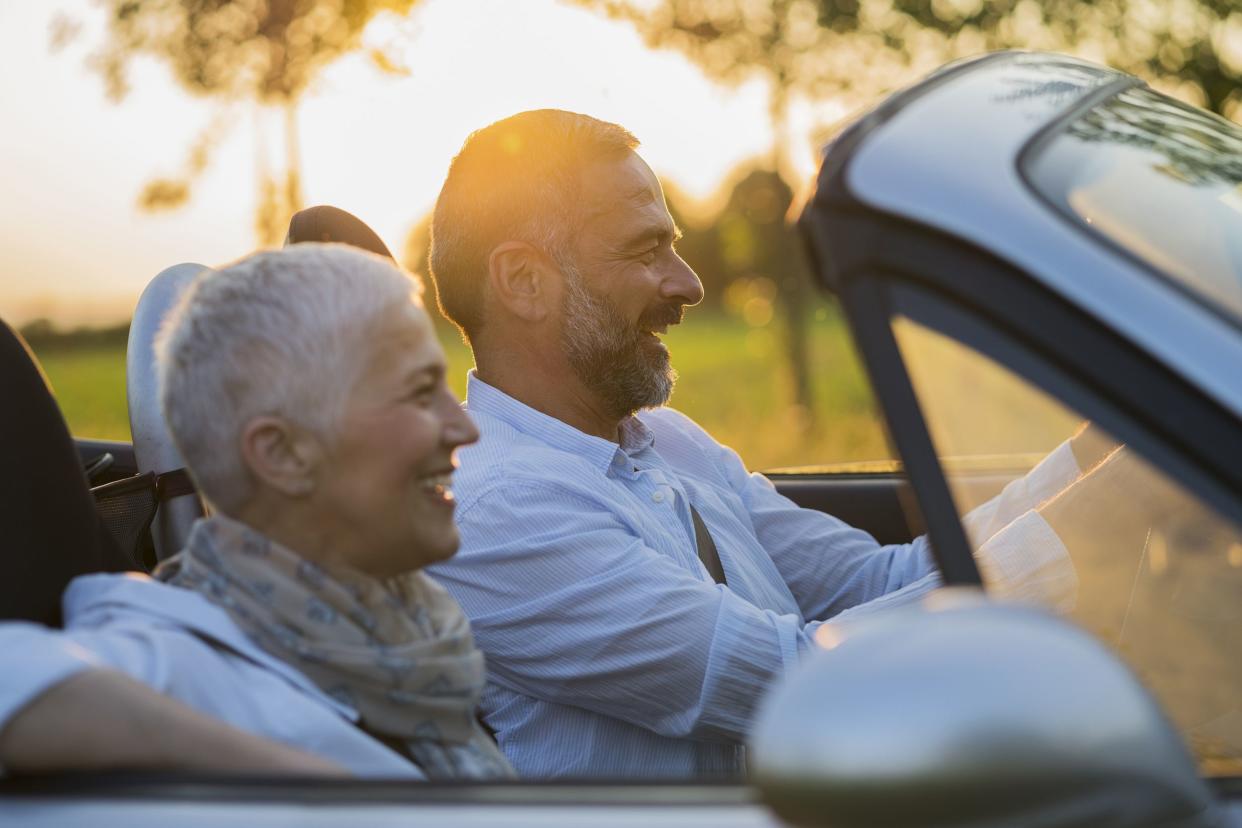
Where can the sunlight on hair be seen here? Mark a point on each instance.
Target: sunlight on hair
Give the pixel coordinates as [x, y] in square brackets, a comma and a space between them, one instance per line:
[511, 143]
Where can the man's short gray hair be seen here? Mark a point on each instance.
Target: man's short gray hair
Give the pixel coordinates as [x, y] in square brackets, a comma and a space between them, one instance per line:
[281, 333]
[515, 180]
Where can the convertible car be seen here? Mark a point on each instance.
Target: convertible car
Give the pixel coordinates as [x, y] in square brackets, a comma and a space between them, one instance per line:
[1022, 243]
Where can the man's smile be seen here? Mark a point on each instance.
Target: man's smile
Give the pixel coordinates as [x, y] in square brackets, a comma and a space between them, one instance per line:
[659, 319]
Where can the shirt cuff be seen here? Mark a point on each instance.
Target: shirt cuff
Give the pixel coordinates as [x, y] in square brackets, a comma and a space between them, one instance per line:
[1027, 563]
[1050, 475]
[36, 659]
[1053, 473]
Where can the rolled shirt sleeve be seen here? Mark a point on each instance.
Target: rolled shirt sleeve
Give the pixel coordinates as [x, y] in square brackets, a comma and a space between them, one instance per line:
[1027, 563]
[1052, 474]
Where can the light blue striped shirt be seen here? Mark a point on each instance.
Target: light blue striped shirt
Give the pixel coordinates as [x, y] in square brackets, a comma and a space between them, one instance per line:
[611, 651]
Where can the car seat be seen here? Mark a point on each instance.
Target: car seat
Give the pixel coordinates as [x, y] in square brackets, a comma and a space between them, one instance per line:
[154, 450]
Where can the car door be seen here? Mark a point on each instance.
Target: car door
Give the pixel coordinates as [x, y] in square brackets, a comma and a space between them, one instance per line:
[975, 346]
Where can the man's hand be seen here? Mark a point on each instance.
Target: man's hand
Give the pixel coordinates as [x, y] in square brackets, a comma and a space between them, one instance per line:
[102, 719]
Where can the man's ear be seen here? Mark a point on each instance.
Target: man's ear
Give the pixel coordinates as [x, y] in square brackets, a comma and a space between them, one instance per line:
[523, 280]
[281, 455]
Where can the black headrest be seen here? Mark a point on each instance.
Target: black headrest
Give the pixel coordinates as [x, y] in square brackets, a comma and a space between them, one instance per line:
[325, 223]
[49, 530]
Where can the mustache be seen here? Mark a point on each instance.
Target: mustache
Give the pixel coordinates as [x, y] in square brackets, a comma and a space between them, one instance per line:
[669, 313]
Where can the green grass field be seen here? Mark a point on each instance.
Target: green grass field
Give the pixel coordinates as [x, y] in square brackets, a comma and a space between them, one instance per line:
[734, 381]
[89, 384]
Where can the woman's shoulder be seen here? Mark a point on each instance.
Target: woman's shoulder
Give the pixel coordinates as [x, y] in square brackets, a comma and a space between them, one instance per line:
[133, 612]
[138, 607]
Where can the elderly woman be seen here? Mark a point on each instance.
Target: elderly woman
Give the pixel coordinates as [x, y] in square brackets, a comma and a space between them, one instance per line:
[305, 389]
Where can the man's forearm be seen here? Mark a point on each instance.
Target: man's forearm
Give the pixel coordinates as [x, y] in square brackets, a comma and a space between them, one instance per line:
[99, 719]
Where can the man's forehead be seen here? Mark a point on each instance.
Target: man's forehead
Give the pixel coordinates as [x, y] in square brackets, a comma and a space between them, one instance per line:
[619, 184]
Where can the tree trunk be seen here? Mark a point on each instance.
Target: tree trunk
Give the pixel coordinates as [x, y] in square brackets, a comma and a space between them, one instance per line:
[279, 190]
[293, 159]
[793, 290]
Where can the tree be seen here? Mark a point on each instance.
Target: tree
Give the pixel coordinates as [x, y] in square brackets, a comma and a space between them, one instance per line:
[266, 52]
[851, 51]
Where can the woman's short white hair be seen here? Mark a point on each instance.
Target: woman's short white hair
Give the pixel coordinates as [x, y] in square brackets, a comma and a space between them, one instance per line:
[279, 333]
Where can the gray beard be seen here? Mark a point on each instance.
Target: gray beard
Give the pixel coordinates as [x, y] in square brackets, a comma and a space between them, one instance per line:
[615, 360]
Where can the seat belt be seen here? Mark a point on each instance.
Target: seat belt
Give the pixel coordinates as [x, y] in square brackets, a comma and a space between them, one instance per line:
[707, 548]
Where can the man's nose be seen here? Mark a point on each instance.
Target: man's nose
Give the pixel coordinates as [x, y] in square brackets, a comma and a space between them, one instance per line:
[681, 283]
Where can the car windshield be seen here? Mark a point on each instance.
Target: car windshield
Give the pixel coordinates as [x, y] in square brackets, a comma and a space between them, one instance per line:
[1123, 550]
[1112, 166]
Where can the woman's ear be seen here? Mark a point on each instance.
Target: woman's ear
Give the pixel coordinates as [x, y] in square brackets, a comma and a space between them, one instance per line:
[523, 280]
[281, 455]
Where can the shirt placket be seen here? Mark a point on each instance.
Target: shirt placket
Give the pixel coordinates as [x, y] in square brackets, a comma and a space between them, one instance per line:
[664, 496]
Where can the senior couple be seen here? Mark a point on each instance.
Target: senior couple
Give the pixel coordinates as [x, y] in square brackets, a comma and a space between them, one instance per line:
[635, 589]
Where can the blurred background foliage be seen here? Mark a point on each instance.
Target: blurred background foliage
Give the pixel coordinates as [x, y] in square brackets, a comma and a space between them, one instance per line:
[766, 364]
[265, 52]
[856, 49]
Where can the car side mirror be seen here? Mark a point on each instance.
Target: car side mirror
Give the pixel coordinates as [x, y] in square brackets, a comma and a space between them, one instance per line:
[964, 712]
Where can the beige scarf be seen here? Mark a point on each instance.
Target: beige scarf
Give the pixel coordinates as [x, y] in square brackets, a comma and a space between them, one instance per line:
[399, 652]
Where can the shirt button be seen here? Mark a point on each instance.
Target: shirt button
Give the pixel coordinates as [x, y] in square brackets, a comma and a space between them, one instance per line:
[658, 497]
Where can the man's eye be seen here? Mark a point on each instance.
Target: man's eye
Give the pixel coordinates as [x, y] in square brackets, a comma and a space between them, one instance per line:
[647, 257]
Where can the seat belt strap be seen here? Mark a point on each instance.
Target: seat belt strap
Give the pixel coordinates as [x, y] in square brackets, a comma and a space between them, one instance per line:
[707, 548]
[175, 483]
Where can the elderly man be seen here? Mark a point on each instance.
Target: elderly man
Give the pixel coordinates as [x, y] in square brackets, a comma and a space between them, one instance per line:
[635, 588]
[305, 388]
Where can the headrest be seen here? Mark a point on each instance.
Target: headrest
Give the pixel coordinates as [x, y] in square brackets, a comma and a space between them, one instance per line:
[326, 223]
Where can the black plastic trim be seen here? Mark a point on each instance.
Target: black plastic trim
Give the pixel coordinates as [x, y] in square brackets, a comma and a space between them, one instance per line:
[123, 465]
[866, 303]
[878, 504]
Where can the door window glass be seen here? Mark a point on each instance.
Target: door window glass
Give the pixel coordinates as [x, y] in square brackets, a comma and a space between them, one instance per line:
[1064, 516]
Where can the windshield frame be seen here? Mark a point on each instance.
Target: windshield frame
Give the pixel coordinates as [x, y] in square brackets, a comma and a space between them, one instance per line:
[1043, 139]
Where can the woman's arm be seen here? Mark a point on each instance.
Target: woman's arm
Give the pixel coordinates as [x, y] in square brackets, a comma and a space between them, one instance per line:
[101, 719]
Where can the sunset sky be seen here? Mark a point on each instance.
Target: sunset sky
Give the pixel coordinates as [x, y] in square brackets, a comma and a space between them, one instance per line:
[78, 250]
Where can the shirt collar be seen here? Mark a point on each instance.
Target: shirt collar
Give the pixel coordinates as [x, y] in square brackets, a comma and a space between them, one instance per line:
[488, 400]
[635, 435]
[145, 597]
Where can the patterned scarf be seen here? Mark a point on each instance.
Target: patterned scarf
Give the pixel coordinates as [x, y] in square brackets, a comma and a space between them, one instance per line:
[399, 652]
